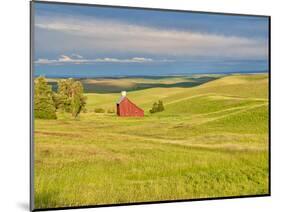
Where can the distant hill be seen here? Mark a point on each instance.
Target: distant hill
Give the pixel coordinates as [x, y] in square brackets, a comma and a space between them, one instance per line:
[115, 85]
[234, 88]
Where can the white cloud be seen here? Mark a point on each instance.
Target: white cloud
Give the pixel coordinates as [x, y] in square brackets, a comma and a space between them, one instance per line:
[64, 59]
[131, 60]
[45, 61]
[76, 56]
[97, 35]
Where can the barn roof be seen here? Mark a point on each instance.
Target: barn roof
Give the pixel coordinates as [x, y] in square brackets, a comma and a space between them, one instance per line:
[121, 99]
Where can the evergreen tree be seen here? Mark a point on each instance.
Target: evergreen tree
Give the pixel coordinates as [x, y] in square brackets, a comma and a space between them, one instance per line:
[44, 107]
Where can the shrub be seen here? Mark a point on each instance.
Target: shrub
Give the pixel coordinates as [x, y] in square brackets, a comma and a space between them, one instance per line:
[154, 108]
[160, 106]
[157, 107]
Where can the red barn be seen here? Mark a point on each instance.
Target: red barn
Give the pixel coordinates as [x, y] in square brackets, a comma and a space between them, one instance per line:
[127, 108]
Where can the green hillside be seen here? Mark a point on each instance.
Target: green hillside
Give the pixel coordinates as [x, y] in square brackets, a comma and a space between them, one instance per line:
[211, 141]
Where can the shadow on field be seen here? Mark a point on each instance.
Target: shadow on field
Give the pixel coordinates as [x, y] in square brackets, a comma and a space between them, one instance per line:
[104, 87]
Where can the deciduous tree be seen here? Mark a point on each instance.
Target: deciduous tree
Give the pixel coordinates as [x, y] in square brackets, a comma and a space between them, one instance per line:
[69, 97]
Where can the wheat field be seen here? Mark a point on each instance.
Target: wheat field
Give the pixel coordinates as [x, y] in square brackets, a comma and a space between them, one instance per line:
[211, 141]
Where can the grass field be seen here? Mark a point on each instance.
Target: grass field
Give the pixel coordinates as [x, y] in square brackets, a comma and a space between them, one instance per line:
[211, 141]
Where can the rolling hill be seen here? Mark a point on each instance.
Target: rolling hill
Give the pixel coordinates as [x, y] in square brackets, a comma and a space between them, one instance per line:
[211, 141]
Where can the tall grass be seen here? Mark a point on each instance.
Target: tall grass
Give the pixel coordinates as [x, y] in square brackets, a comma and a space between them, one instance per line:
[209, 142]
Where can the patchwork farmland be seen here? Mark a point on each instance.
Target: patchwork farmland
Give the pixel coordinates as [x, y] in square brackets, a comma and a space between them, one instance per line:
[210, 141]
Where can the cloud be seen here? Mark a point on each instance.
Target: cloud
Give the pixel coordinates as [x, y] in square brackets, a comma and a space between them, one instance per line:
[78, 59]
[105, 35]
[76, 56]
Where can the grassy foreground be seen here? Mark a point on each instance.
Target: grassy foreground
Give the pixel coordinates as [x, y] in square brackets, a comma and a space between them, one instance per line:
[211, 141]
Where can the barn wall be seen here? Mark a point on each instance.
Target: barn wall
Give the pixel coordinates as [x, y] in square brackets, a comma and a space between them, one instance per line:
[127, 108]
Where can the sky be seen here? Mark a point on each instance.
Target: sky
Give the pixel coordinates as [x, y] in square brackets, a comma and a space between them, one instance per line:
[91, 41]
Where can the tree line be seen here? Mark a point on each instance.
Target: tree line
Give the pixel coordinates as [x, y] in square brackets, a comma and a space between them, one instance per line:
[68, 98]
